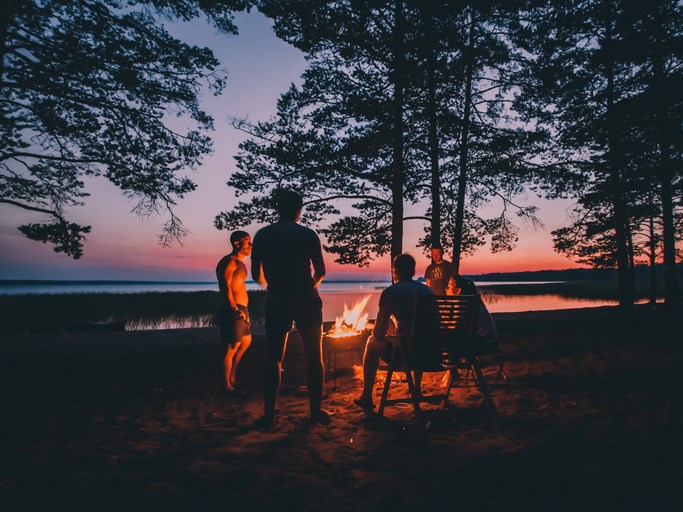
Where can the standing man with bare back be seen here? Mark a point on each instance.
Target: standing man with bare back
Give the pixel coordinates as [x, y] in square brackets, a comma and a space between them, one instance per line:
[233, 315]
[282, 258]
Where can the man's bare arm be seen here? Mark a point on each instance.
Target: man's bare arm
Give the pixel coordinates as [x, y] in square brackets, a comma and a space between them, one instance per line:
[383, 318]
[257, 269]
[318, 263]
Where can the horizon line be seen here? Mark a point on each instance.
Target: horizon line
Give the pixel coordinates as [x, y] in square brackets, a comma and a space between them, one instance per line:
[158, 281]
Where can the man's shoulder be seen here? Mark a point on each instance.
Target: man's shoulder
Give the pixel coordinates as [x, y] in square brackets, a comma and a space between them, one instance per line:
[230, 262]
[264, 230]
[305, 229]
[224, 261]
[407, 286]
[285, 227]
[264, 234]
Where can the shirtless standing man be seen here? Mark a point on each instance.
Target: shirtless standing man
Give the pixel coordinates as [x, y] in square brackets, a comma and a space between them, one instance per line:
[233, 315]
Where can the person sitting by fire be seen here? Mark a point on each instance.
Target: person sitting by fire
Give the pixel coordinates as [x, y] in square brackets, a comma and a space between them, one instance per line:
[486, 327]
[395, 316]
[233, 315]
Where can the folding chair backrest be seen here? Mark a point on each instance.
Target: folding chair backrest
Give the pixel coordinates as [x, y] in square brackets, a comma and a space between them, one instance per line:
[445, 328]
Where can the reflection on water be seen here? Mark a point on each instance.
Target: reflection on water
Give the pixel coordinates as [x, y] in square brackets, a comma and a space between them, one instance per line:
[496, 303]
[334, 302]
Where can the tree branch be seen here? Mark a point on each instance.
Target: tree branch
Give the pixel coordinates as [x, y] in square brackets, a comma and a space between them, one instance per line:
[32, 208]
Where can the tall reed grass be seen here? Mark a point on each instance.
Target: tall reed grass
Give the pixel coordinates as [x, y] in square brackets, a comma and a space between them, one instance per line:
[54, 313]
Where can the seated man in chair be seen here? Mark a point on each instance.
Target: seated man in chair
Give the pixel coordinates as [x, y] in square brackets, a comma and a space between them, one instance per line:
[395, 316]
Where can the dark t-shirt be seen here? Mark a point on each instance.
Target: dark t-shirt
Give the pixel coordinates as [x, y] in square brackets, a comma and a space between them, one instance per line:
[398, 301]
[286, 251]
[439, 274]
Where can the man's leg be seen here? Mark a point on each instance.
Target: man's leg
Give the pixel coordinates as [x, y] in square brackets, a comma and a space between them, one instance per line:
[272, 373]
[309, 322]
[228, 366]
[277, 331]
[242, 348]
[373, 352]
[231, 338]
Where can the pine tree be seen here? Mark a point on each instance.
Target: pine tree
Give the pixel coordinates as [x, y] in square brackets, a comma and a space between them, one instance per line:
[85, 89]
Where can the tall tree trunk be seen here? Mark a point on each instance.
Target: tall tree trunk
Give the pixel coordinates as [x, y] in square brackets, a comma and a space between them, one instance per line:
[653, 253]
[625, 274]
[397, 178]
[464, 147]
[433, 135]
[671, 297]
[631, 255]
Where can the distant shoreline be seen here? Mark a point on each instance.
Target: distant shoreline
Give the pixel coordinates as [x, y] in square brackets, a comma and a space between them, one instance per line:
[575, 274]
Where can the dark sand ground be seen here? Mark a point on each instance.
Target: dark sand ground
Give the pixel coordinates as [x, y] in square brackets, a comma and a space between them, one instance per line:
[591, 420]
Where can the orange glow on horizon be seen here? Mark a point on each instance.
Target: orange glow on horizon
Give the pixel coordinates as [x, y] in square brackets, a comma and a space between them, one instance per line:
[200, 257]
[479, 263]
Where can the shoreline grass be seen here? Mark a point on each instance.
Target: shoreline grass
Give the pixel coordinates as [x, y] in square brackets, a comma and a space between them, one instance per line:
[54, 313]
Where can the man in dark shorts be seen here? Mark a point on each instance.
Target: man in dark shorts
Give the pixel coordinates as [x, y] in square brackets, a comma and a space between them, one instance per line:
[395, 315]
[439, 272]
[233, 315]
[281, 260]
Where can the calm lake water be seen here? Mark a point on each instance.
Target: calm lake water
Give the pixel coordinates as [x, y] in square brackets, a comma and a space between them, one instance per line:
[336, 295]
[61, 287]
[334, 302]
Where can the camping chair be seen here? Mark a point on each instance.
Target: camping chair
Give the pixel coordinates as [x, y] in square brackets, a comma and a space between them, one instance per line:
[443, 339]
[488, 352]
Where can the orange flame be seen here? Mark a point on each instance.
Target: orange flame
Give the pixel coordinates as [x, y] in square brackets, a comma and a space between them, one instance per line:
[352, 322]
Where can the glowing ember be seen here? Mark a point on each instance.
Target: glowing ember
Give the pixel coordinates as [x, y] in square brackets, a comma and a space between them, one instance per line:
[352, 322]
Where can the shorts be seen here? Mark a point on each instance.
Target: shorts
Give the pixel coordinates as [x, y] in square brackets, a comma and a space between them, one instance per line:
[233, 328]
[388, 350]
[306, 312]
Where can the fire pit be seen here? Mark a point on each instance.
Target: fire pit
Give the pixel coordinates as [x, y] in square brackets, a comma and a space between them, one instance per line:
[348, 333]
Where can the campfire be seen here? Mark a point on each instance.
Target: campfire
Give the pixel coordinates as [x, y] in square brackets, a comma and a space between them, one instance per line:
[352, 322]
[348, 334]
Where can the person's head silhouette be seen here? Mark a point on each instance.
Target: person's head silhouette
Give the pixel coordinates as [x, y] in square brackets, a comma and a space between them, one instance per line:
[240, 241]
[403, 267]
[437, 253]
[289, 205]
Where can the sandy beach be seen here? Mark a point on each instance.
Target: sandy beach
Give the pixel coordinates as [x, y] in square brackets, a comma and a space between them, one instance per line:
[590, 419]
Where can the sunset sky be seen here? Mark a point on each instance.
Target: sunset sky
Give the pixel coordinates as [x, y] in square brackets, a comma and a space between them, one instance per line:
[123, 246]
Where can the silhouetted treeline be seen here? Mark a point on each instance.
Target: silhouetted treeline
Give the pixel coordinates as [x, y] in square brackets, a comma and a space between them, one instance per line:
[465, 105]
[641, 272]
